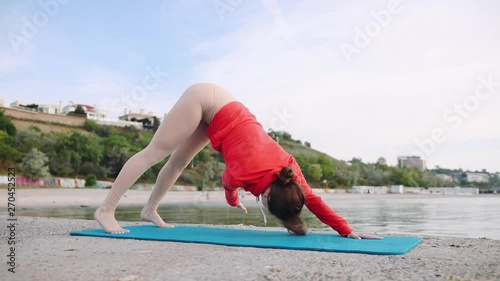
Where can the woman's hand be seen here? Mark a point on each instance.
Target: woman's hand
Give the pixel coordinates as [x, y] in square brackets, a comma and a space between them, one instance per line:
[242, 207]
[357, 235]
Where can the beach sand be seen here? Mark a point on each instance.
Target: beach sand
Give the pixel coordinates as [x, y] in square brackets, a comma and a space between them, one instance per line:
[45, 251]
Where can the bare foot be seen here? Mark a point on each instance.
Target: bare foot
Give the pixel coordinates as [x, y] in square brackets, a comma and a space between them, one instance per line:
[152, 215]
[106, 218]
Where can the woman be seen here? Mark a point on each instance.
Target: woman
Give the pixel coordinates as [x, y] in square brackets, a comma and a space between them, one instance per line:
[254, 161]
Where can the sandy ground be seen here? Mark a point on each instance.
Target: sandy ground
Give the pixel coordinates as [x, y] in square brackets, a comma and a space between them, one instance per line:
[45, 251]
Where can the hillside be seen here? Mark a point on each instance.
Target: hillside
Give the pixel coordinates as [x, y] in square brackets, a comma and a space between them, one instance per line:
[300, 149]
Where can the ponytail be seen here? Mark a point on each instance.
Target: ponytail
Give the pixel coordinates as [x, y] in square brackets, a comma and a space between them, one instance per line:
[286, 175]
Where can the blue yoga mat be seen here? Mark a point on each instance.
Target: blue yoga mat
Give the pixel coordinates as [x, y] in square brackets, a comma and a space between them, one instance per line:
[329, 242]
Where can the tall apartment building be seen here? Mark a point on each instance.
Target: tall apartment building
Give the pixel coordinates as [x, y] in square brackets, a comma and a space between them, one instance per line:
[411, 162]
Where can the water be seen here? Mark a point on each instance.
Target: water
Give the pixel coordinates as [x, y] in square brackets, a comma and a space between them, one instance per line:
[462, 216]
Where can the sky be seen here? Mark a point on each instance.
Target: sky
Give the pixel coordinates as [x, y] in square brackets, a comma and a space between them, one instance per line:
[364, 79]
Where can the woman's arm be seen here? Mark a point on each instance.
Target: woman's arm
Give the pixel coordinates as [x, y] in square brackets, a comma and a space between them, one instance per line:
[231, 191]
[324, 212]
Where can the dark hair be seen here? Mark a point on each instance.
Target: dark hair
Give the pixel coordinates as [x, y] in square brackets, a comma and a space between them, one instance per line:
[286, 199]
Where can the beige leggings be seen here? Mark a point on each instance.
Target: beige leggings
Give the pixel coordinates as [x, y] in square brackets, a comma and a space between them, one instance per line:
[181, 134]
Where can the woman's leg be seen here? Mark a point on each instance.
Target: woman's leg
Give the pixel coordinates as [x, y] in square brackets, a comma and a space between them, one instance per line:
[169, 174]
[176, 127]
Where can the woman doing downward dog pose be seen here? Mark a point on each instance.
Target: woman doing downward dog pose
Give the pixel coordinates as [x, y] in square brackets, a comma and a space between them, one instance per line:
[254, 161]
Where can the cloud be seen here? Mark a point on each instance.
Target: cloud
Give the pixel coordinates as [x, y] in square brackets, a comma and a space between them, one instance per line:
[396, 90]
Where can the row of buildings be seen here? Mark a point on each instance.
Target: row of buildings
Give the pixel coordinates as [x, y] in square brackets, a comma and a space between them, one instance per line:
[98, 114]
[418, 163]
[400, 189]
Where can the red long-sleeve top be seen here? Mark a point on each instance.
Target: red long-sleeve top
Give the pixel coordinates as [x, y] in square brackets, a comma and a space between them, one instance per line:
[253, 160]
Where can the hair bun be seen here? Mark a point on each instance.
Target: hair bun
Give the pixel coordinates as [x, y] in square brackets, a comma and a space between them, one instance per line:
[286, 175]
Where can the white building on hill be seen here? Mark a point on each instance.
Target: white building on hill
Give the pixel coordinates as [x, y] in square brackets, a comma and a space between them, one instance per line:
[93, 113]
[136, 117]
[472, 177]
[444, 177]
[49, 108]
[477, 177]
[19, 104]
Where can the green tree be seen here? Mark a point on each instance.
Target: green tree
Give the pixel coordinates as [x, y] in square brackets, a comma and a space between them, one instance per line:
[60, 162]
[104, 131]
[48, 141]
[117, 140]
[376, 176]
[6, 124]
[305, 165]
[213, 172]
[286, 136]
[32, 106]
[405, 176]
[342, 175]
[428, 179]
[353, 175]
[28, 138]
[97, 169]
[90, 180]
[115, 158]
[356, 161]
[75, 150]
[202, 157]
[494, 180]
[91, 126]
[328, 171]
[79, 110]
[281, 136]
[381, 161]
[315, 172]
[463, 182]
[34, 164]
[87, 146]
[8, 152]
